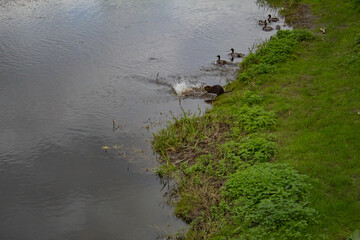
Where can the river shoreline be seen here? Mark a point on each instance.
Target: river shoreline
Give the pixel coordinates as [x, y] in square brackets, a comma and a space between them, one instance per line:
[80, 99]
[220, 159]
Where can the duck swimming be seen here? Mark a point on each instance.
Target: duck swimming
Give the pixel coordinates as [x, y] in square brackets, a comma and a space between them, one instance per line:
[267, 28]
[272, 19]
[235, 54]
[221, 62]
[262, 22]
[278, 27]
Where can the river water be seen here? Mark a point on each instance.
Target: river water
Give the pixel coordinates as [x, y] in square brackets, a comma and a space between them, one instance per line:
[68, 68]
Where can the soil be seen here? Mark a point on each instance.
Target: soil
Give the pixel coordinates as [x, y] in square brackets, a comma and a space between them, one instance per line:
[299, 16]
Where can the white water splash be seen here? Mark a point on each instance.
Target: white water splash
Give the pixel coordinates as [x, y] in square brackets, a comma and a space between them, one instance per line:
[184, 86]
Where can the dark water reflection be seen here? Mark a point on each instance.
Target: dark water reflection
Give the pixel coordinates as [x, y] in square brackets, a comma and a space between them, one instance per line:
[67, 69]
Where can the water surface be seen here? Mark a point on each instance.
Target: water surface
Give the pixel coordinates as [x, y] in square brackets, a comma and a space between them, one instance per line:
[68, 68]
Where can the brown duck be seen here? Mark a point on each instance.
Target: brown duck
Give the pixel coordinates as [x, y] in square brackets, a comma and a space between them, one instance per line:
[221, 62]
[272, 19]
[235, 54]
[267, 28]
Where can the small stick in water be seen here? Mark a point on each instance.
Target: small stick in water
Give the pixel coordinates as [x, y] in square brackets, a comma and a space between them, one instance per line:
[115, 125]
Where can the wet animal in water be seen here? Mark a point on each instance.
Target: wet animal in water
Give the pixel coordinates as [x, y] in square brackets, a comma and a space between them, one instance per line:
[235, 54]
[272, 19]
[262, 22]
[278, 27]
[267, 28]
[221, 62]
[217, 89]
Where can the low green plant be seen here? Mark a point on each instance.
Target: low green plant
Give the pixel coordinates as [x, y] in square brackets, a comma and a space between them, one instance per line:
[278, 49]
[357, 42]
[250, 149]
[298, 35]
[356, 3]
[249, 60]
[353, 57]
[270, 201]
[251, 119]
[275, 51]
[255, 70]
[219, 168]
[251, 98]
[186, 130]
[203, 164]
[165, 170]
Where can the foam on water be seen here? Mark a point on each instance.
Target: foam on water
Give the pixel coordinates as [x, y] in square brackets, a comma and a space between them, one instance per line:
[184, 86]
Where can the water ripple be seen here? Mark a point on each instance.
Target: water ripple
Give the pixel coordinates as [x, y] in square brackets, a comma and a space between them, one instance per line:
[68, 68]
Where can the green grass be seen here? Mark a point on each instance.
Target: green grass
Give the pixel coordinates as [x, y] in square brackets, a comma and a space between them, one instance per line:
[296, 102]
[317, 97]
[272, 199]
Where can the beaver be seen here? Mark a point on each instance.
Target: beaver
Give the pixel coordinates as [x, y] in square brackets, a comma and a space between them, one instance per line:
[217, 89]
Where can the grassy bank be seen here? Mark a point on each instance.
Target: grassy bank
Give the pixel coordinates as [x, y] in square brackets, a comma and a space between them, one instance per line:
[279, 157]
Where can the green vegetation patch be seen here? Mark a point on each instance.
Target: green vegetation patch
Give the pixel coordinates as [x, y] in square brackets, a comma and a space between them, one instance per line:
[210, 155]
[252, 119]
[253, 148]
[269, 201]
[281, 47]
[296, 102]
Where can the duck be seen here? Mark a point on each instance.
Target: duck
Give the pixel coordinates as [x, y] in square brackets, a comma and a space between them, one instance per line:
[278, 27]
[272, 19]
[235, 54]
[221, 62]
[262, 22]
[267, 28]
